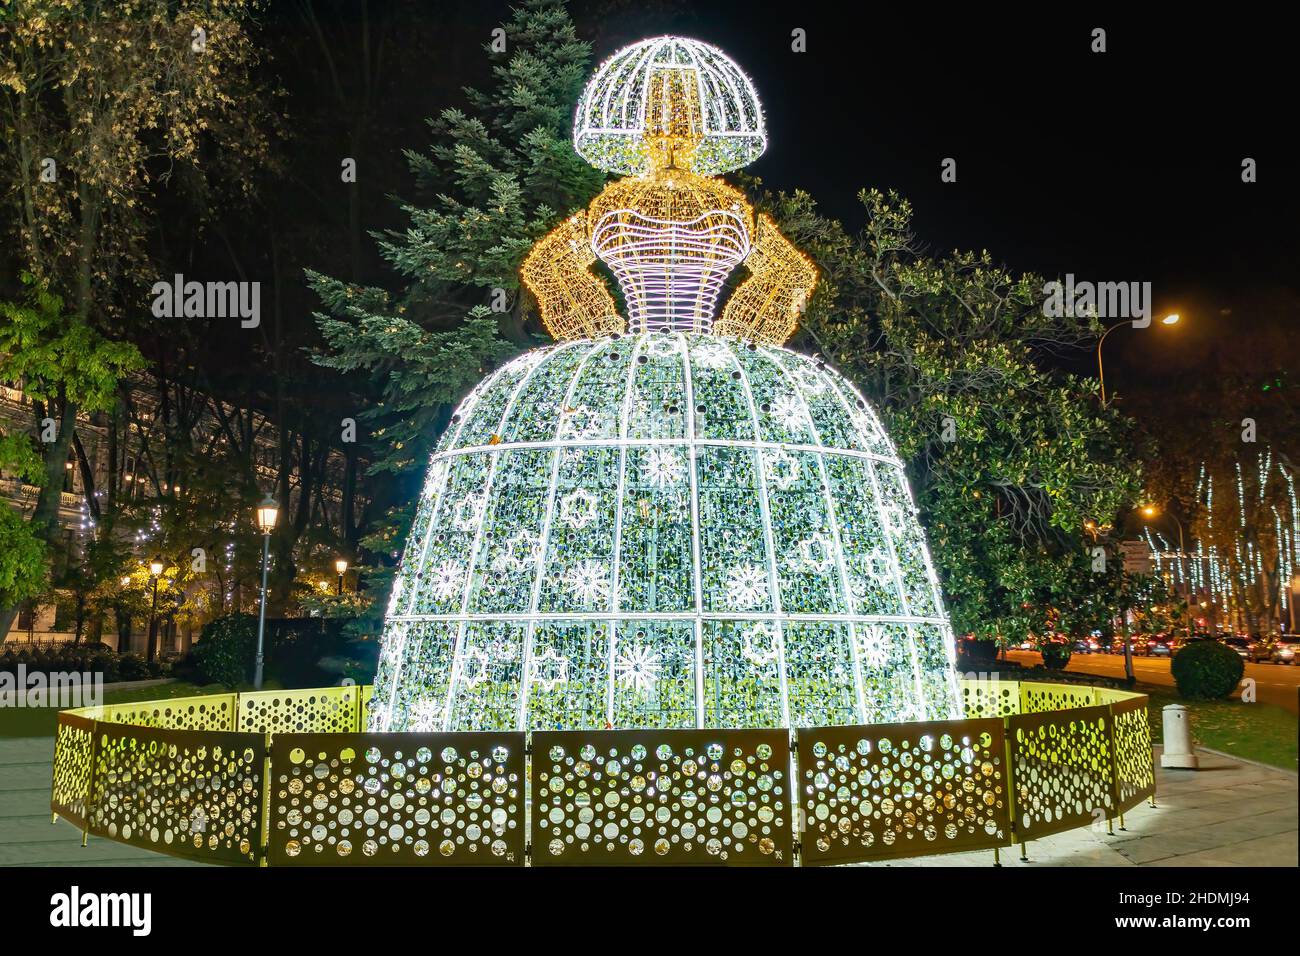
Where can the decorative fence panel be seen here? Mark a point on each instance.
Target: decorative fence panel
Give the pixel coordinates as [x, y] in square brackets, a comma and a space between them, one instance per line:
[210, 712]
[397, 799]
[323, 710]
[74, 740]
[184, 792]
[1135, 775]
[990, 698]
[676, 797]
[895, 790]
[1063, 768]
[175, 776]
[1036, 698]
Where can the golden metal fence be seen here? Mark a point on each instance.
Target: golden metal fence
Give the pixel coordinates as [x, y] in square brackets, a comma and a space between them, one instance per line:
[289, 778]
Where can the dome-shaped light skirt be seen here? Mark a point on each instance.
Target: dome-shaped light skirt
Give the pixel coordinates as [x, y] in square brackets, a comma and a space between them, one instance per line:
[664, 530]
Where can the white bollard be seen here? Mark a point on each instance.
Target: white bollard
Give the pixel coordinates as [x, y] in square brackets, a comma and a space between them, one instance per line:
[1178, 752]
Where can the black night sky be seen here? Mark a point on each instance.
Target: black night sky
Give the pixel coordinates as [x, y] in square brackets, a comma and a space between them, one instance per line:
[1123, 166]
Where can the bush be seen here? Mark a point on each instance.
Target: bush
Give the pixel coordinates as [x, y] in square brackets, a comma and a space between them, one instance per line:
[225, 651]
[132, 667]
[1207, 670]
[1056, 654]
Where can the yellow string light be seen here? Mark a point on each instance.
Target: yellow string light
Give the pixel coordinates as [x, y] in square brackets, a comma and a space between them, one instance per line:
[671, 237]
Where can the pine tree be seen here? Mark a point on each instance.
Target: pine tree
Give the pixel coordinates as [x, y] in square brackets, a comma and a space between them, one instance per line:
[498, 175]
[1010, 460]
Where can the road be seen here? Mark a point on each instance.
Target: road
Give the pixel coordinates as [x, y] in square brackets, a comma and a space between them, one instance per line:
[1274, 683]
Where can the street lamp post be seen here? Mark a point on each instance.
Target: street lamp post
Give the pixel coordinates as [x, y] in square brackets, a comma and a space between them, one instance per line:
[267, 513]
[1290, 605]
[341, 566]
[1150, 511]
[155, 572]
[1170, 319]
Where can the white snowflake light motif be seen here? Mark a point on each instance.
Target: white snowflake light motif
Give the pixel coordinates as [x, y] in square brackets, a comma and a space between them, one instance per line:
[637, 669]
[426, 715]
[473, 667]
[580, 422]
[782, 469]
[788, 410]
[746, 586]
[587, 582]
[548, 669]
[469, 512]
[663, 467]
[759, 644]
[817, 553]
[891, 519]
[448, 577]
[711, 355]
[578, 508]
[874, 649]
[810, 381]
[518, 554]
[880, 568]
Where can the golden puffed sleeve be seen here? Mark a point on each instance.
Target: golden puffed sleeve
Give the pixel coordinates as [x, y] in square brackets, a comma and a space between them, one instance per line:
[574, 301]
[766, 306]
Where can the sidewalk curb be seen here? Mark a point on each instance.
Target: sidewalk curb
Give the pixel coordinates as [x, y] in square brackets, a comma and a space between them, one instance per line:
[1254, 763]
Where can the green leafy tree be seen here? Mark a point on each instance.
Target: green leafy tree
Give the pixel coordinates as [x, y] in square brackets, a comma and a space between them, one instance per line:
[499, 174]
[22, 552]
[1008, 458]
[105, 104]
[62, 364]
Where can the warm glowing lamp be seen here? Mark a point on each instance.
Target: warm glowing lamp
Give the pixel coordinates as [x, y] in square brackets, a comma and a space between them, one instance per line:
[267, 514]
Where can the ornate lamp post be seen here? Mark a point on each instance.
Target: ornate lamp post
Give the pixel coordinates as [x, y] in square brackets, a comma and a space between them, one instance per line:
[1295, 592]
[267, 513]
[341, 566]
[155, 572]
[1171, 319]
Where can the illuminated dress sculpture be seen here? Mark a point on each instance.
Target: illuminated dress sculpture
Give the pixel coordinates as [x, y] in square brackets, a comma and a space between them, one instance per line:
[666, 519]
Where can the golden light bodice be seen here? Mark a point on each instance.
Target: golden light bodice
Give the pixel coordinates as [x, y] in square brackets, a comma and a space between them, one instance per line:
[670, 235]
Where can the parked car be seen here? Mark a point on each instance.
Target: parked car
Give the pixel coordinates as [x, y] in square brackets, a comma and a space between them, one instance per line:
[1161, 645]
[1284, 649]
[1137, 642]
[1254, 649]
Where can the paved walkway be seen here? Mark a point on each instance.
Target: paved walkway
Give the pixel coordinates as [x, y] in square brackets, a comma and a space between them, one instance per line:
[1228, 813]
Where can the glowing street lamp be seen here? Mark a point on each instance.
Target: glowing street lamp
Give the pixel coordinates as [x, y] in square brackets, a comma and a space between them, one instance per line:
[267, 514]
[341, 566]
[155, 572]
[1171, 319]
